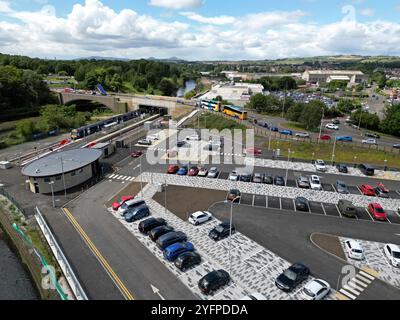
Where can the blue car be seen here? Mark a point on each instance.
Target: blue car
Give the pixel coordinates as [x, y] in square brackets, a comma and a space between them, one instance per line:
[172, 252]
[274, 129]
[182, 171]
[286, 132]
[346, 139]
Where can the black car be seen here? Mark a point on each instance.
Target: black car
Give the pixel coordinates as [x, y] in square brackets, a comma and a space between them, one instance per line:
[292, 277]
[221, 231]
[279, 181]
[396, 146]
[245, 178]
[137, 214]
[268, 179]
[170, 238]
[147, 225]
[342, 168]
[366, 169]
[336, 121]
[372, 135]
[156, 233]
[214, 281]
[381, 193]
[301, 204]
[187, 260]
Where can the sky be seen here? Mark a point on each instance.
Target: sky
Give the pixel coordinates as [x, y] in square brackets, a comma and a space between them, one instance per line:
[199, 29]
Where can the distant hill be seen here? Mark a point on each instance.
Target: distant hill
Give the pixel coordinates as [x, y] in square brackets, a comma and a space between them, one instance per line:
[104, 58]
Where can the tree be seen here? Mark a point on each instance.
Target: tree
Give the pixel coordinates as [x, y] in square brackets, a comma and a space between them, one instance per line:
[26, 128]
[167, 87]
[295, 111]
[347, 105]
[311, 116]
[391, 122]
[368, 120]
[258, 102]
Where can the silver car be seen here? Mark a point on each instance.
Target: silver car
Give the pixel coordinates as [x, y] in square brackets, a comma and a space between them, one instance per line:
[341, 187]
[303, 182]
[213, 173]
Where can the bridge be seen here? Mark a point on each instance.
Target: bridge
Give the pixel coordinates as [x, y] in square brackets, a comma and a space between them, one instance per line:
[124, 102]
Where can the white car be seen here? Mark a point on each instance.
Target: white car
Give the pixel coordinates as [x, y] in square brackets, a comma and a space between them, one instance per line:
[200, 217]
[213, 173]
[315, 183]
[320, 165]
[332, 126]
[254, 296]
[316, 290]
[392, 252]
[369, 141]
[203, 172]
[302, 135]
[153, 137]
[354, 250]
[233, 176]
[194, 137]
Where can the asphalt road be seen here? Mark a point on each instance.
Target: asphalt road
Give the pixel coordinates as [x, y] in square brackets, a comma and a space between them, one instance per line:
[287, 234]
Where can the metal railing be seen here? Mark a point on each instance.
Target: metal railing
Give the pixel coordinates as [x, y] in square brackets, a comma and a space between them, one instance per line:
[59, 255]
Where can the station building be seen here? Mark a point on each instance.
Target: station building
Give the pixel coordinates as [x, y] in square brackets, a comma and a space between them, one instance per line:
[70, 168]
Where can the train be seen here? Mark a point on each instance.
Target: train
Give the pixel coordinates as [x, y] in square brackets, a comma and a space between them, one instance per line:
[87, 130]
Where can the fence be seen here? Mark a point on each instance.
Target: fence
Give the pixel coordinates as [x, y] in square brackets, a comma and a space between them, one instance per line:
[61, 259]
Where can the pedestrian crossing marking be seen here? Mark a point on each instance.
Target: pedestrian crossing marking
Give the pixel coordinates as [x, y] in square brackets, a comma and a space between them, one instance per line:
[356, 286]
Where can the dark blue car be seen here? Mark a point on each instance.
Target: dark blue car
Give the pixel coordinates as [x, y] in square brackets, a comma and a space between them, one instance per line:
[182, 171]
[172, 252]
[346, 139]
[137, 214]
[274, 129]
[286, 132]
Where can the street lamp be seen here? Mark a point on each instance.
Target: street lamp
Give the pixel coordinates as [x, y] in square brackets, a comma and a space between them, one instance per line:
[322, 122]
[230, 234]
[386, 165]
[51, 183]
[287, 167]
[334, 149]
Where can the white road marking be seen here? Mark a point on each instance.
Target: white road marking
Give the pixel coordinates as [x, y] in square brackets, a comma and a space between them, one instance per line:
[360, 277]
[369, 214]
[367, 275]
[347, 294]
[355, 286]
[337, 208]
[359, 282]
[353, 291]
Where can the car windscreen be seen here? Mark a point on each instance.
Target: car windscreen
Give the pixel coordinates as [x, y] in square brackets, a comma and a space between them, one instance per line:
[379, 210]
[290, 274]
[309, 293]
[219, 228]
[356, 250]
[396, 254]
[124, 206]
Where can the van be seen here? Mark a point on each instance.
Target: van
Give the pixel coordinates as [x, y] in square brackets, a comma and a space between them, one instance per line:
[347, 208]
[366, 169]
[130, 205]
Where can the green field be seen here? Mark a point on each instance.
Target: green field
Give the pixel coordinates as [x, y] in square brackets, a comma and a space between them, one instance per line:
[214, 121]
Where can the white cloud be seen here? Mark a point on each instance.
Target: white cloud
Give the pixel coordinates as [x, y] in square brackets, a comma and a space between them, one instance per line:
[368, 12]
[177, 4]
[220, 20]
[5, 6]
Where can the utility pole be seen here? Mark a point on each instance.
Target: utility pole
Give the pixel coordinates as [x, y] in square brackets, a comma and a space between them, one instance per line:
[334, 149]
[52, 193]
[322, 122]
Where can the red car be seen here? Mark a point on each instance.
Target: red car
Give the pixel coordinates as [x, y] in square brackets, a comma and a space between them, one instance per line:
[194, 171]
[173, 169]
[367, 190]
[253, 151]
[116, 205]
[382, 187]
[136, 154]
[377, 211]
[325, 137]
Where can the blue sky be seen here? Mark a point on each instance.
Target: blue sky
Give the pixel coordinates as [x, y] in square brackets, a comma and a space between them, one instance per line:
[199, 29]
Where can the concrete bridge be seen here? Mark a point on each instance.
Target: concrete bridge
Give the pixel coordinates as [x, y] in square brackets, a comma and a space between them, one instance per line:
[123, 102]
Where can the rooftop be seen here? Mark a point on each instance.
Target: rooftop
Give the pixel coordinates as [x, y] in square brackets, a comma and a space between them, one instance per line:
[60, 162]
[335, 72]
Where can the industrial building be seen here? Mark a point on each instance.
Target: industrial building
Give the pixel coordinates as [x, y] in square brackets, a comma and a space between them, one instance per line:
[233, 91]
[326, 76]
[62, 170]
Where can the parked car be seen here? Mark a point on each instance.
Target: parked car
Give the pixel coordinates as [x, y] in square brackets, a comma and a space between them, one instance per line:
[245, 177]
[301, 204]
[325, 137]
[200, 217]
[286, 132]
[170, 238]
[233, 176]
[376, 210]
[268, 179]
[252, 151]
[136, 154]
[369, 141]
[183, 171]
[302, 135]
[118, 204]
[194, 171]
[341, 187]
[257, 178]
[145, 142]
[366, 169]
[303, 182]
[315, 183]
[213, 281]
[213, 173]
[233, 194]
[157, 232]
[203, 172]
[372, 135]
[130, 205]
[345, 139]
[380, 193]
[392, 252]
[173, 169]
[137, 214]
[292, 277]
[221, 231]
[367, 190]
[187, 260]
[354, 249]
[381, 186]
[342, 168]
[332, 126]
[347, 209]
[320, 165]
[275, 129]
[172, 252]
[147, 225]
[316, 289]
[279, 181]
[336, 121]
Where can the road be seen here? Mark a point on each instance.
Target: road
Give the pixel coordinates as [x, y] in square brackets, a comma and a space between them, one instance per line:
[287, 234]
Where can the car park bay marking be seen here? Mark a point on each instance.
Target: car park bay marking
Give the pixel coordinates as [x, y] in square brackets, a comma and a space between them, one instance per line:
[337, 208]
[369, 214]
[125, 292]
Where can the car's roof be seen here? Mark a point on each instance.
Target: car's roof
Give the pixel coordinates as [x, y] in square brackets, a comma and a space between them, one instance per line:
[199, 213]
[297, 267]
[314, 177]
[394, 247]
[354, 244]
[134, 201]
[316, 285]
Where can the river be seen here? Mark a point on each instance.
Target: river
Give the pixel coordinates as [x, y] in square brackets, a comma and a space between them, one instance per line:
[15, 283]
[189, 86]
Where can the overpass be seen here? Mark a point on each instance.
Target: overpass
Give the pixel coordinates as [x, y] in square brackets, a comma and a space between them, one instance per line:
[125, 102]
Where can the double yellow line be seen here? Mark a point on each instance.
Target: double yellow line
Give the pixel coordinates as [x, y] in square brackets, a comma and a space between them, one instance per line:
[125, 292]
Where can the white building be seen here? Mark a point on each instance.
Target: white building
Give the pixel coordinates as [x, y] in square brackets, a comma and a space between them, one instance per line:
[238, 91]
[326, 76]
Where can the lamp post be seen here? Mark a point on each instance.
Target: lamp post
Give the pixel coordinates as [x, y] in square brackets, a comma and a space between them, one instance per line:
[313, 157]
[51, 183]
[334, 150]
[386, 168]
[141, 182]
[165, 196]
[322, 122]
[230, 234]
[355, 159]
[287, 167]
[63, 177]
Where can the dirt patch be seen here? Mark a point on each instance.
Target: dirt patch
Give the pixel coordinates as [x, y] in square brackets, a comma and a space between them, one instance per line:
[131, 189]
[180, 111]
[183, 201]
[329, 243]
